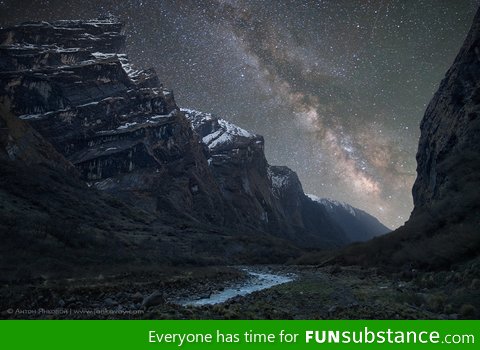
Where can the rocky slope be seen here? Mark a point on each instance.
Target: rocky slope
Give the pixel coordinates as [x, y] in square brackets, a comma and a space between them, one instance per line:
[443, 227]
[47, 214]
[125, 135]
[20, 142]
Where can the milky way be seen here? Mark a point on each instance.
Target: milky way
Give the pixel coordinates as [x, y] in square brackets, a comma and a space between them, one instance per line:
[338, 88]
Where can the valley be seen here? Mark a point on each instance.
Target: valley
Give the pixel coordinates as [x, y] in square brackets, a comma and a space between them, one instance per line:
[115, 203]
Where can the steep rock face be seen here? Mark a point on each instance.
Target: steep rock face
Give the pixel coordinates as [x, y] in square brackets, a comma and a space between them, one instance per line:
[288, 194]
[301, 213]
[271, 197]
[118, 126]
[449, 149]
[237, 160]
[103, 34]
[443, 228]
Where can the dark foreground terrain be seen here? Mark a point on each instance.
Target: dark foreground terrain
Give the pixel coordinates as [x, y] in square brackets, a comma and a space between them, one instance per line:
[331, 292]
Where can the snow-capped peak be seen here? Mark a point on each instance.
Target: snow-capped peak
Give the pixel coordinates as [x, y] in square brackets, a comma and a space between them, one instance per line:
[331, 204]
[215, 132]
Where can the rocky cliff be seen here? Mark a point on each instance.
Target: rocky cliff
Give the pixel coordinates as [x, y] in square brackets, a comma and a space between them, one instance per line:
[448, 158]
[443, 227]
[124, 134]
[118, 126]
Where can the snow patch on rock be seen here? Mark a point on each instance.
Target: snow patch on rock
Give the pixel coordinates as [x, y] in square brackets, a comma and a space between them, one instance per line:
[222, 132]
[331, 204]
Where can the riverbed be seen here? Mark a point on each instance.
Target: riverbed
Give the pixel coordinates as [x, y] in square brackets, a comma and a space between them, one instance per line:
[257, 281]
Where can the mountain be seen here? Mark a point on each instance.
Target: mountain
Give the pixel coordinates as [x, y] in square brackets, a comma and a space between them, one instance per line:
[443, 227]
[51, 223]
[123, 135]
[272, 197]
[357, 224]
[54, 225]
[118, 126]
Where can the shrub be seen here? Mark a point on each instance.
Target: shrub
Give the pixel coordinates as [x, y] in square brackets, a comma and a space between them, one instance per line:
[468, 311]
[436, 302]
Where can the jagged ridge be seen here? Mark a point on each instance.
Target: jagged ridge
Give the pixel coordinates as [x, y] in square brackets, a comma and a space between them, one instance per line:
[125, 134]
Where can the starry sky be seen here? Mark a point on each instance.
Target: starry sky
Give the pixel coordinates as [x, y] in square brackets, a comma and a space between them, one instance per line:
[337, 87]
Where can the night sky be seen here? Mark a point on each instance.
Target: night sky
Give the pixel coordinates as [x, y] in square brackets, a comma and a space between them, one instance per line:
[338, 88]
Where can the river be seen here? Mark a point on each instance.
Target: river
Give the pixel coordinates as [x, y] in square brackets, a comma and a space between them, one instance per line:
[257, 281]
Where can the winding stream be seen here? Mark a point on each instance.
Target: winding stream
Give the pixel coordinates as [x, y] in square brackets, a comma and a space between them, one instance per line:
[256, 282]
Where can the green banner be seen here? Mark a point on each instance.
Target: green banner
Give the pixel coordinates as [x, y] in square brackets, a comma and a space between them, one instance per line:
[238, 335]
